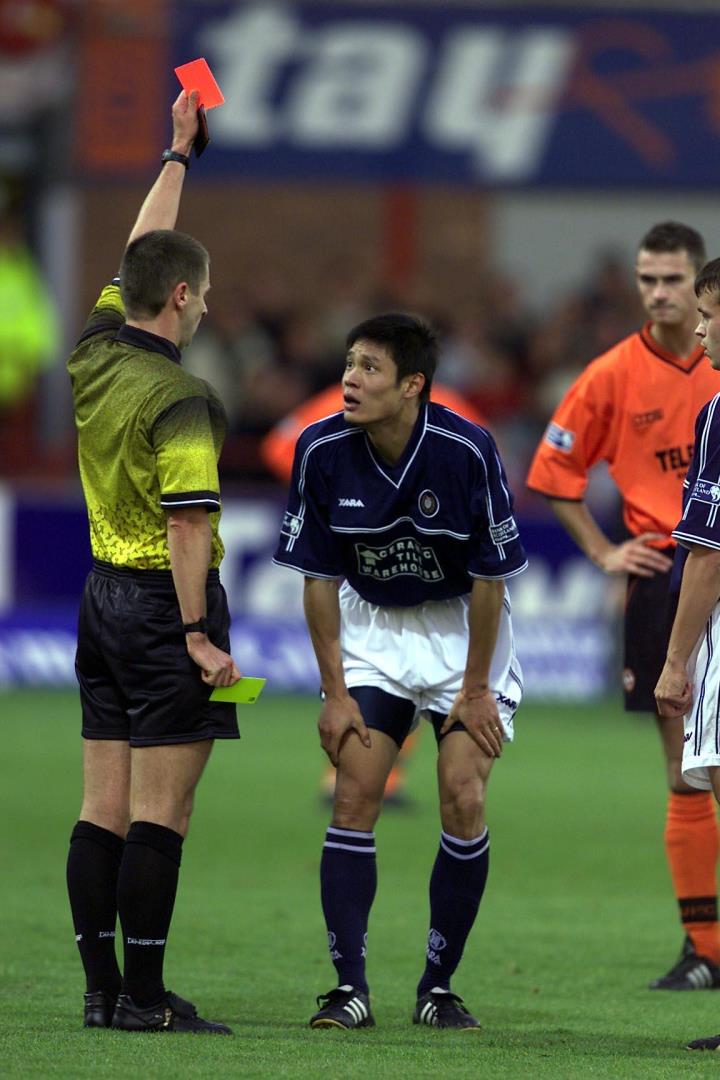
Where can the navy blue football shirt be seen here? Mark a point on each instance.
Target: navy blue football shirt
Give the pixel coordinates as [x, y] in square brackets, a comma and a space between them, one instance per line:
[401, 534]
[700, 523]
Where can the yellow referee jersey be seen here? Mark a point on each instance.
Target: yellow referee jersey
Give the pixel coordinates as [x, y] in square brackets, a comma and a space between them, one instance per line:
[149, 438]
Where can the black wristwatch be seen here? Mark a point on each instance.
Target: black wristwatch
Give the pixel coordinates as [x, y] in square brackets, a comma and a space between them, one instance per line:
[199, 627]
[173, 155]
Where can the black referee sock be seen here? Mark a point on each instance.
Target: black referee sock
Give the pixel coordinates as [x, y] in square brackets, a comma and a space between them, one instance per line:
[457, 884]
[147, 884]
[348, 879]
[92, 873]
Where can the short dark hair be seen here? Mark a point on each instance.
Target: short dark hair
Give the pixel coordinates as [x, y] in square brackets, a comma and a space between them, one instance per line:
[672, 236]
[708, 280]
[412, 344]
[154, 264]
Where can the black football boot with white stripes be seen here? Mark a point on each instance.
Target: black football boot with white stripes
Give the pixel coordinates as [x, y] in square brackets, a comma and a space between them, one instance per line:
[344, 1007]
[443, 1009]
[692, 972]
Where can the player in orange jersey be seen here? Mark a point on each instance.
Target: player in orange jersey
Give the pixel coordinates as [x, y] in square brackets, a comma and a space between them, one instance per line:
[277, 450]
[634, 407]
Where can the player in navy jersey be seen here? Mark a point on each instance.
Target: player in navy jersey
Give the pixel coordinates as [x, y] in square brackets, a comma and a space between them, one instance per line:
[400, 519]
[689, 684]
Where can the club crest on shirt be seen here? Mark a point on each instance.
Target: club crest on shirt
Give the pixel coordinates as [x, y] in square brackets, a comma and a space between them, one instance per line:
[560, 437]
[706, 492]
[428, 503]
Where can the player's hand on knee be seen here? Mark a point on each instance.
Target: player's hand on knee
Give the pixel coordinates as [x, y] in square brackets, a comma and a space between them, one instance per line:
[339, 717]
[637, 557]
[217, 667]
[480, 718]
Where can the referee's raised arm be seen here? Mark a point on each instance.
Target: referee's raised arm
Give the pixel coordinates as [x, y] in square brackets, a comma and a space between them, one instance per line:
[161, 206]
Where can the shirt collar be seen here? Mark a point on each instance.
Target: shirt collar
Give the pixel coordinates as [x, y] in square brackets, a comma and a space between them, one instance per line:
[687, 363]
[396, 473]
[143, 339]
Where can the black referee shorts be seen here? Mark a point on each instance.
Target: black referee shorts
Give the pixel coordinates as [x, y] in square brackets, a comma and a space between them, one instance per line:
[648, 620]
[137, 681]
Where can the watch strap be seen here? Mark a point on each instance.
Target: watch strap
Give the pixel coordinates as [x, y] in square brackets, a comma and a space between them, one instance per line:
[173, 155]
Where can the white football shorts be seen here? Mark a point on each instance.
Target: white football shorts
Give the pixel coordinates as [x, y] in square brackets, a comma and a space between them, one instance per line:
[419, 653]
[702, 724]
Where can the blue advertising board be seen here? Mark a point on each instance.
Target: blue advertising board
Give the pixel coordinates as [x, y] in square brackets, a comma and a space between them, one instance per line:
[563, 613]
[490, 97]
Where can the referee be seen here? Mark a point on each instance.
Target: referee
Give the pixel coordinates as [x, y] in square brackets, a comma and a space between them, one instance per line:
[153, 633]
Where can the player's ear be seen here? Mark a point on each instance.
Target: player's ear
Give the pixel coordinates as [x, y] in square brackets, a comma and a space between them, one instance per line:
[414, 384]
[181, 294]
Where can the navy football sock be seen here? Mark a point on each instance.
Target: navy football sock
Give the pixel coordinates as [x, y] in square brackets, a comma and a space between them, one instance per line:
[147, 884]
[456, 887]
[92, 872]
[348, 879]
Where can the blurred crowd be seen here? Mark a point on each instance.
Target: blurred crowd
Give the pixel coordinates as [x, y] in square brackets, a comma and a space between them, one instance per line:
[30, 339]
[266, 353]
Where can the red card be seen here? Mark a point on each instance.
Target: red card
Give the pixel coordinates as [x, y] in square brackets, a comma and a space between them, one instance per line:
[197, 76]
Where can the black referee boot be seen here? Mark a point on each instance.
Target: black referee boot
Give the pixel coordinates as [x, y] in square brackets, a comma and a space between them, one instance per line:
[172, 1013]
[99, 1008]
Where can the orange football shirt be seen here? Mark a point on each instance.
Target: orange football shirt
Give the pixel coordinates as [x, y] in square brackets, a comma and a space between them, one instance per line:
[633, 407]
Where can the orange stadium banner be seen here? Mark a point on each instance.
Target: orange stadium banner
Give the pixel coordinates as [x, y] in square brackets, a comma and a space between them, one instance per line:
[122, 87]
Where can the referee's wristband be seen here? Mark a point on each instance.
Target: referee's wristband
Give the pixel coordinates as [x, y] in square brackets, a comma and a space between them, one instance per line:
[199, 627]
[173, 155]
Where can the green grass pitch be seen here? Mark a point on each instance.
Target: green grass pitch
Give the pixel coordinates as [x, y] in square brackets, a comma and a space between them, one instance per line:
[578, 914]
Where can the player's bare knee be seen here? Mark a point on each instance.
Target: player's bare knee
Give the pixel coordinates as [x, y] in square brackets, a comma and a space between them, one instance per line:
[172, 813]
[185, 813]
[107, 805]
[355, 810]
[462, 808]
[107, 815]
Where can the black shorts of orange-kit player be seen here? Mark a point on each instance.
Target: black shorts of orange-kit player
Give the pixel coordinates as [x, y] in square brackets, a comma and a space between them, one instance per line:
[649, 611]
[137, 681]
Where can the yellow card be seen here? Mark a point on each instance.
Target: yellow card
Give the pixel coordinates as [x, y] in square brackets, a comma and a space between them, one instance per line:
[244, 692]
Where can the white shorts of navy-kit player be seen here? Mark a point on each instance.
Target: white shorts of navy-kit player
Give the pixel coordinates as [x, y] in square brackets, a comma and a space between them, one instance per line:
[419, 653]
[700, 524]
[409, 540]
[702, 724]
